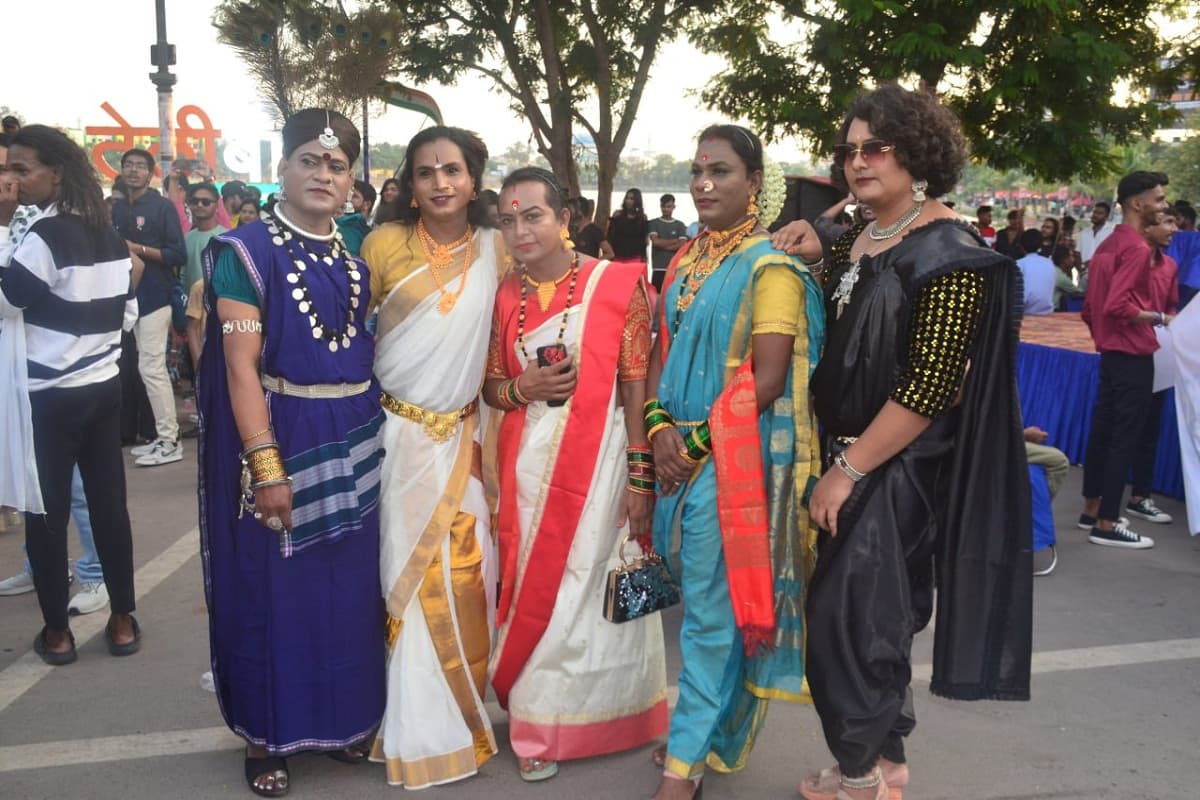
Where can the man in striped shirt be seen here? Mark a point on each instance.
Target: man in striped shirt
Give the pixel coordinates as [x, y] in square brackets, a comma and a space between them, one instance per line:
[67, 280]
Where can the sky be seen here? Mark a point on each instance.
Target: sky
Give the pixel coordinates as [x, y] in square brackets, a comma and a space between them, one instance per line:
[89, 52]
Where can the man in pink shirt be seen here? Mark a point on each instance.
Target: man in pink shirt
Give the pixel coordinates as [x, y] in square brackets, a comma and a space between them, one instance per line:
[1119, 311]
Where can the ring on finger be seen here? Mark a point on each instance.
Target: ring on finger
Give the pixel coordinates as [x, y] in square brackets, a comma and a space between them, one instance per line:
[275, 523]
[258, 515]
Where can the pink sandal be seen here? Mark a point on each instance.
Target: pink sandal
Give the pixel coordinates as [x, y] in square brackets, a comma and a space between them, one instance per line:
[826, 784]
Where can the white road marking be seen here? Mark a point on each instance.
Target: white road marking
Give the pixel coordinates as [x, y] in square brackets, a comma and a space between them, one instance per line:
[1115, 655]
[20, 676]
[24, 673]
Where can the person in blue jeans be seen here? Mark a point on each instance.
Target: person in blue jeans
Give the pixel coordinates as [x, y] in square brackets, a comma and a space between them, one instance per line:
[92, 595]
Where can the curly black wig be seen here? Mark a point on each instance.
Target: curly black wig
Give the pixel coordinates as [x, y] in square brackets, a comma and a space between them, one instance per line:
[927, 136]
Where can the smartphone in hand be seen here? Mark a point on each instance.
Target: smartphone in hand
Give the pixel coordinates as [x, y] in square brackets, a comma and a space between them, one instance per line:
[549, 355]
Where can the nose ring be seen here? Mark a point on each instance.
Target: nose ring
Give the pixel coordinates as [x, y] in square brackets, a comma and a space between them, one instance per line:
[707, 186]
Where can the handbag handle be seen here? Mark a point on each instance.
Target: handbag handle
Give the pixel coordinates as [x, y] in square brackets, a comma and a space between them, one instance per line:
[647, 555]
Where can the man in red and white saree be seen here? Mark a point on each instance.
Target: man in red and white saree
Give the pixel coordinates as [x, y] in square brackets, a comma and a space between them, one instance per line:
[574, 684]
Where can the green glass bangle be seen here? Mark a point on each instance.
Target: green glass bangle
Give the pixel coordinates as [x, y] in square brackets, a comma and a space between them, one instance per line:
[651, 405]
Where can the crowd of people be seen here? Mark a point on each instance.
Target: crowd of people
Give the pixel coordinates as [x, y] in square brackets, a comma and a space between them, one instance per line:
[433, 422]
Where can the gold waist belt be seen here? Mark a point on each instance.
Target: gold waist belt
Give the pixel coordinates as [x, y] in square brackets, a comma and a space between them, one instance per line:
[438, 425]
[322, 391]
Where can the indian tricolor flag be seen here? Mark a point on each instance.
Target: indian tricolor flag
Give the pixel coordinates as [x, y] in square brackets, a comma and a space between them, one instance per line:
[412, 99]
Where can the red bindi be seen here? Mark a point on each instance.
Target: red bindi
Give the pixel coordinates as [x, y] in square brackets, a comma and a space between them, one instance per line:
[515, 205]
[326, 156]
[704, 157]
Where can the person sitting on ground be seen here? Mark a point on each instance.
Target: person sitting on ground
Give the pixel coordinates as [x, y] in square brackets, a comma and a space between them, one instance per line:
[1038, 272]
[1055, 461]
[1064, 262]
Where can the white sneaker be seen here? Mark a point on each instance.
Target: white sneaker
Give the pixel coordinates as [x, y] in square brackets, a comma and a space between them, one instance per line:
[143, 449]
[21, 583]
[164, 452]
[92, 596]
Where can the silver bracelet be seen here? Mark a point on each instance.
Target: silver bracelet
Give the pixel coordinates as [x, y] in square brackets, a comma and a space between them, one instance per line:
[844, 466]
[241, 326]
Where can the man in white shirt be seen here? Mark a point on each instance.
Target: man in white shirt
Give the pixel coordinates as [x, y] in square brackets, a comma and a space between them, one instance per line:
[1091, 237]
[1038, 272]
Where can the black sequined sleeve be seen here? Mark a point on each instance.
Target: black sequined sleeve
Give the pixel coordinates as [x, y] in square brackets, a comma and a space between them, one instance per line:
[942, 330]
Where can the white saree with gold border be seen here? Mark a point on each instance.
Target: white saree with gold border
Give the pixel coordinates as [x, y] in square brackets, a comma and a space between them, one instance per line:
[437, 561]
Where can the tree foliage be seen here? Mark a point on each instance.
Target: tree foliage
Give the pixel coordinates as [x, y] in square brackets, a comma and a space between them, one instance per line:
[566, 67]
[306, 53]
[1032, 80]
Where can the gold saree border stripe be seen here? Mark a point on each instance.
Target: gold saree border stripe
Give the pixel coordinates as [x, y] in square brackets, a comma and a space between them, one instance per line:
[439, 524]
[466, 680]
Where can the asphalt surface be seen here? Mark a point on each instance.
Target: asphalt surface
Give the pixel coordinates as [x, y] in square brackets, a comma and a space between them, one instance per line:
[1115, 714]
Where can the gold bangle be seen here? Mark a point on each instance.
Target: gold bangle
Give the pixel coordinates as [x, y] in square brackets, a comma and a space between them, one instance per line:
[656, 429]
[253, 436]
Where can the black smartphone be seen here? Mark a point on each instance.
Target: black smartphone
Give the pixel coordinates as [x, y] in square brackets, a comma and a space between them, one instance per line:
[548, 355]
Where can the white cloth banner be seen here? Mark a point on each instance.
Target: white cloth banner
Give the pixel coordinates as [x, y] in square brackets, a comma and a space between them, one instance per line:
[1184, 343]
[19, 486]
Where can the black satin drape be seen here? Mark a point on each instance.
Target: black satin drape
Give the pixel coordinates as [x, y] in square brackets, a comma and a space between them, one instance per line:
[951, 511]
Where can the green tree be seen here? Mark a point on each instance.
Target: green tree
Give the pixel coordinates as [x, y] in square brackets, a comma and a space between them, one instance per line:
[1032, 80]
[555, 61]
[306, 53]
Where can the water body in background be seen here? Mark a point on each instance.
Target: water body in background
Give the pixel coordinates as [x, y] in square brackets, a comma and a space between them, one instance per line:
[685, 209]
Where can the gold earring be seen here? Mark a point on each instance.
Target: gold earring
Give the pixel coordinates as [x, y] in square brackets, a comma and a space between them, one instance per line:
[565, 236]
[752, 208]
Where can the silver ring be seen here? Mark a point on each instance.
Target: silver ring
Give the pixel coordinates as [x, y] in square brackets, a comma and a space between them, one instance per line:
[275, 523]
[258, 515]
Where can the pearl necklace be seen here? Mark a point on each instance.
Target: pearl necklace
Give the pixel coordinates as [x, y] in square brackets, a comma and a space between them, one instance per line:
[298, 250]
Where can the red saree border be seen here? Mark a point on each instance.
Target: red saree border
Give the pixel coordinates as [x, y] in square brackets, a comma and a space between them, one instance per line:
[742, 509]
[599, 349]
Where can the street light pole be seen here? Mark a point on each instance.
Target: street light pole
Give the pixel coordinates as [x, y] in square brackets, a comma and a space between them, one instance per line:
[162, 55]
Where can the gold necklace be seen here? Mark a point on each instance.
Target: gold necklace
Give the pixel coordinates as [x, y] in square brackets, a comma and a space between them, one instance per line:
[573, 272]
[715, 248]
[546, 289]
[440, 257]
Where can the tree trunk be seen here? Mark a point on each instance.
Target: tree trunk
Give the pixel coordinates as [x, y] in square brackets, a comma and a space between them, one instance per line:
[606, 173]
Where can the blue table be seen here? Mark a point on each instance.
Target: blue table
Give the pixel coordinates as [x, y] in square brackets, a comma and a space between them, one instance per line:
[1058, 388]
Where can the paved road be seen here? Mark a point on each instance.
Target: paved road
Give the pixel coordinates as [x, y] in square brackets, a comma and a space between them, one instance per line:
[1116, 710]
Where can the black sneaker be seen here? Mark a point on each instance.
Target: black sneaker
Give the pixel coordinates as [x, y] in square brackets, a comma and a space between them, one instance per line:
[1146, 509]
[1120, 535]
[1086, 523]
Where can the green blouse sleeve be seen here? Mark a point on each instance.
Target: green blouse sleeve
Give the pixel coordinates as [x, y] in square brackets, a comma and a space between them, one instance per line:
[229, 279]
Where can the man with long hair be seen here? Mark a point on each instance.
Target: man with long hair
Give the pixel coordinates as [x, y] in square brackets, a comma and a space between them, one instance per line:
[66, 289]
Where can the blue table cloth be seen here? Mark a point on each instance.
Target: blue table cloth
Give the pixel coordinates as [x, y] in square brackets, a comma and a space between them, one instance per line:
[1058, 388]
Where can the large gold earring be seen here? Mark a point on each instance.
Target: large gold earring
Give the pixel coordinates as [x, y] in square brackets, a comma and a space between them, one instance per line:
[567, 244]
[752, 208]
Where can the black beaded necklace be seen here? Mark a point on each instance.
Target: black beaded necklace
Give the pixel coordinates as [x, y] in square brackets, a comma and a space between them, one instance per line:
[299, 250]
[562, 326]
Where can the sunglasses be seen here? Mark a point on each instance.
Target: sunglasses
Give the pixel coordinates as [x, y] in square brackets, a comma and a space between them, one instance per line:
[871, 150]
[200, 201]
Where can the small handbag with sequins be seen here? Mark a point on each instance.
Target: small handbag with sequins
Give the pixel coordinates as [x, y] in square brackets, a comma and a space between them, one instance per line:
[639, 587]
